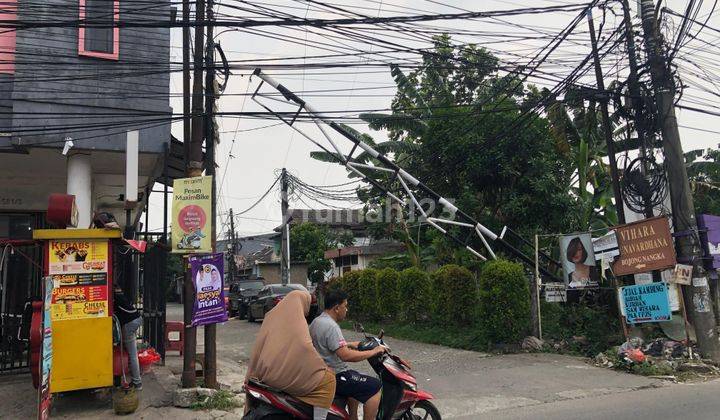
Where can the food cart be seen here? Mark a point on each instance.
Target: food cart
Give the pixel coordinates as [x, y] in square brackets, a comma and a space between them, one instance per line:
[79, 261]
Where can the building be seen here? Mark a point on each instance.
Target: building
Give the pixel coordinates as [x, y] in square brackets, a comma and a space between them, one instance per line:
[70, 94]
[360, 255]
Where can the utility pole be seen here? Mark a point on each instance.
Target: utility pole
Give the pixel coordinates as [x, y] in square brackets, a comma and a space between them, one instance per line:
[233, 242]
[285, 242]
[634, 90]
[210, 367]
[193, 168]
[686, 232]
[606, 125]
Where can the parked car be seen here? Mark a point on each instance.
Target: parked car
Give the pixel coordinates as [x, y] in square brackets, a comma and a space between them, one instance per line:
[268, 297]
[240, 294]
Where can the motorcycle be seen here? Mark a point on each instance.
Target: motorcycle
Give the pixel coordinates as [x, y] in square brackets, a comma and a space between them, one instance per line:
[401, 399]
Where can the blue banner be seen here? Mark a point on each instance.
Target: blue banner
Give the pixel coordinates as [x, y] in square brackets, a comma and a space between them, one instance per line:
[646, 303]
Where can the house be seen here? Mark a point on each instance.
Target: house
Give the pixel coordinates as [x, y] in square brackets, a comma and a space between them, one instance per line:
[360, 255]
[72, 97]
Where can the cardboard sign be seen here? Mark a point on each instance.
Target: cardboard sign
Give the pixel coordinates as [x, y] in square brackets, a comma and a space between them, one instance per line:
[555, 292]
[682, 274]
[191, 211]
[646, 303]
[644, 246]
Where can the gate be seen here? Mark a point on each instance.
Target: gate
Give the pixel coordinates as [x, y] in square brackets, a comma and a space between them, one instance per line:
[153, 290]
[20, 283]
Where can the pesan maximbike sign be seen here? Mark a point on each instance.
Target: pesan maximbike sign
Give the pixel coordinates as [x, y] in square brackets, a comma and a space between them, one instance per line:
[645, 246]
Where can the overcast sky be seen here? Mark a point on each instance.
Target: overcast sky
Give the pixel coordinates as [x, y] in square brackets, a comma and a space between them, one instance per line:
[249, 156]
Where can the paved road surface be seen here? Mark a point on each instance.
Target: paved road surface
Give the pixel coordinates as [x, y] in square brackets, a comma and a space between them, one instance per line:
[470, 385]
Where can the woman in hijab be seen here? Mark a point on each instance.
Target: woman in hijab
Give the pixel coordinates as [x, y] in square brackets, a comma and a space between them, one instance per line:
[283, 356]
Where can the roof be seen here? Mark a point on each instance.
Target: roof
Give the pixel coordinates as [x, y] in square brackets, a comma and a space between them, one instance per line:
[250, 244]
[379, 248]
[347, 218]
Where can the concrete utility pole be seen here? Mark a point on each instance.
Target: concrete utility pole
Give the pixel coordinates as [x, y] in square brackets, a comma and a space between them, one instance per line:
[233, 242]
[210, 368]
[606, 125]
[285, 242]
[634, 90]
[193, 169]
[687, 238]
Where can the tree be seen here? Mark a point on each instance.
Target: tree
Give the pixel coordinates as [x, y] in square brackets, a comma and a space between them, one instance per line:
[703, 167]
[308, 243]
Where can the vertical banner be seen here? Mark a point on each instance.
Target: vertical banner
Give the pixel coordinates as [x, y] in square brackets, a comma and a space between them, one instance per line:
[44, 395]
[207, 276]
[191, 209]
[578, 261]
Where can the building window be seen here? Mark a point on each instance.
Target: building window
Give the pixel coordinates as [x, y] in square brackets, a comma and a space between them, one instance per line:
[100, 36]
[344, 264]
[8, 13]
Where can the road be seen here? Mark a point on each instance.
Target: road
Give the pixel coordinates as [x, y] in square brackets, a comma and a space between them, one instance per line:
[470, 385]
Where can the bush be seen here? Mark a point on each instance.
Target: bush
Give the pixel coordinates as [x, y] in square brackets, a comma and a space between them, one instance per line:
[367, 293]
[598, 324]
[350, 284]
[387, 293]
[455, 296]
[414, 293]
[504, 301]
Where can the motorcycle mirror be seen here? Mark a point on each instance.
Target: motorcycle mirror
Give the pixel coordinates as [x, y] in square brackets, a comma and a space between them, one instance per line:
[382, 333]
[358, 327]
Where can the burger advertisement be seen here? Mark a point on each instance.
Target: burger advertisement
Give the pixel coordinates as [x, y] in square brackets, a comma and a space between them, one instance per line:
[79, 272]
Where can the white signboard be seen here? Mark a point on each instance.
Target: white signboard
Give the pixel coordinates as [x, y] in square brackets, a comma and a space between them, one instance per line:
[606, 247]
[555, 292]
[682, 274]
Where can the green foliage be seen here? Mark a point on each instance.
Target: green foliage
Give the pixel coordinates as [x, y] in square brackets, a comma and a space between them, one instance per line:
[397, 262]
[414, 290]
[308, 243]
[455, 295]
[388, 301]
[504, 301]
[367, 288]
[222, 400]
[350, 284]
[703, 167]
[598, 324]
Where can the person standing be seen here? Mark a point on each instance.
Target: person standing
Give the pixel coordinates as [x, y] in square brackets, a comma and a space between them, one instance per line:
[328, 339]
[130, 320]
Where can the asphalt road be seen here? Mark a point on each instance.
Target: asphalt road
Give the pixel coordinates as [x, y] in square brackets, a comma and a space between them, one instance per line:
[470, 385]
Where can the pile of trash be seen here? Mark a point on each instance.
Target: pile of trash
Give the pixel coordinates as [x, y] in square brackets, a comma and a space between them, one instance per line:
[660, 358]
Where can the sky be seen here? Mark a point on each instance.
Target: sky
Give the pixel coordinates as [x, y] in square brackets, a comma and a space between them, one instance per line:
[253, 150]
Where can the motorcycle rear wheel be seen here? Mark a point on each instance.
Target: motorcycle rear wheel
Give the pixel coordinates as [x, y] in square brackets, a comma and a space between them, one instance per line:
[423, 410]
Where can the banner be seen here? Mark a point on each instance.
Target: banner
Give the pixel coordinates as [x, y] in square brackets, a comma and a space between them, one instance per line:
[191, 210]
[207, 273]
[646, 303]
[79, 272]
[44, 395]
[578, 261]
[645, 246]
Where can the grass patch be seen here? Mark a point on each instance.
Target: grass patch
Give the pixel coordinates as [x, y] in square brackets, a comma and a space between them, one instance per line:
[468, 338]
[222, 400]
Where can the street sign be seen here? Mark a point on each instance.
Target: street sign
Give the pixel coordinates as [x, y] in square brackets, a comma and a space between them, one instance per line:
[646, 303]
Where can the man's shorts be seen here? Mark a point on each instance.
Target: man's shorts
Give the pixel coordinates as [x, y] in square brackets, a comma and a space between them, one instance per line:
[357, 386]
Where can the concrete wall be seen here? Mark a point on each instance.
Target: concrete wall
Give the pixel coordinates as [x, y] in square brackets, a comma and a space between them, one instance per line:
[271, 273]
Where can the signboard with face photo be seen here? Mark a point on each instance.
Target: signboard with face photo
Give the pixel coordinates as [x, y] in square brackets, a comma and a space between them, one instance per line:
[579, 261]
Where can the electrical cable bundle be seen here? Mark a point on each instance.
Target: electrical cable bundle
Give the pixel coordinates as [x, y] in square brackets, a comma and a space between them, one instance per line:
[644, 187]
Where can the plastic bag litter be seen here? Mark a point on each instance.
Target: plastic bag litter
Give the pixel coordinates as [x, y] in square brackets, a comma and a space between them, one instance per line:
[631, 344]
[147, 358]
[635, 355]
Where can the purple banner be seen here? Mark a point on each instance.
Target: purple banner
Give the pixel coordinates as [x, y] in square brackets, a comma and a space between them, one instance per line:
[710, 234]
[207, 274]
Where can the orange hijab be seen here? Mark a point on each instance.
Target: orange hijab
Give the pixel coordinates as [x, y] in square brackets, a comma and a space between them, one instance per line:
[283, 356]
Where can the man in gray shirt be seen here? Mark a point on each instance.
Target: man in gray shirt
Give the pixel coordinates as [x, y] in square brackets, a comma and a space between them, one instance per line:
[330, 343]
